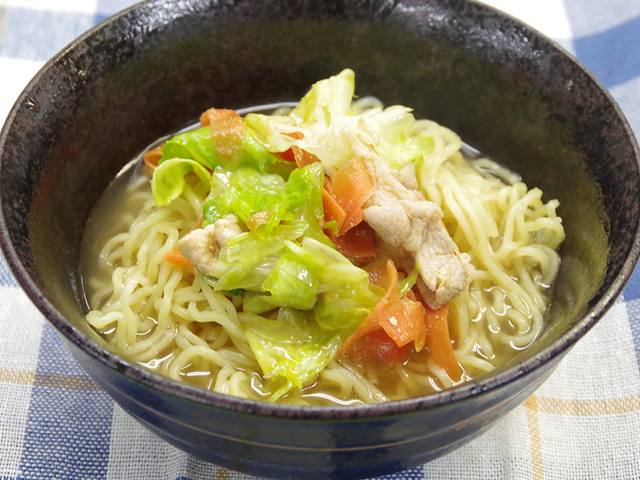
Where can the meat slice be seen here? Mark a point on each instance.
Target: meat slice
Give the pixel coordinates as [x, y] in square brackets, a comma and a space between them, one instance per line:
[446, 270]
[201, 246]
[402, 217]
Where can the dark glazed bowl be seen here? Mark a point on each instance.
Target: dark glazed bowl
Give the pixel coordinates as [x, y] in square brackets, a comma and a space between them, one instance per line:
[503, 87]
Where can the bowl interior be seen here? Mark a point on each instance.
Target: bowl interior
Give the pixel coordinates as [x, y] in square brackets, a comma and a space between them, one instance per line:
[506, 90]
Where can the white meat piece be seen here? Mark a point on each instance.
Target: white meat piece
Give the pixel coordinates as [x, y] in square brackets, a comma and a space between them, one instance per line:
[402, 217]
[447, 270]
[225, 228]
[201, 246]
[407, 176]
[400, 223]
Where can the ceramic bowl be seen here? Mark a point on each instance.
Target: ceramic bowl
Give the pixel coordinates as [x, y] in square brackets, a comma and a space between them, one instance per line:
[506, 89]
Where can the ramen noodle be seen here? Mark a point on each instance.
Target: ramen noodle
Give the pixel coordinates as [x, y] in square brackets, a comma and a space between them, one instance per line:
[335, 252]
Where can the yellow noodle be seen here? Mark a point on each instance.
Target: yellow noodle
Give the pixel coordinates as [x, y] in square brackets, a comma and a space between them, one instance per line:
[169, 319]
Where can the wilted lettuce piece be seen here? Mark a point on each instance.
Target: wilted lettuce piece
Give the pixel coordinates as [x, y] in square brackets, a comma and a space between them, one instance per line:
[292, 346]
[407, 283]
[326, 125]
[341, 308]
[270, 130]
[248, 192]
[198, 145]
[345, 295]
[253, 154]
[168, 179]
[347, 300]
[317, 125]
[312, 275]
[248, 259]
[193, 145]
[393, 134]
[293, 283]
[303, 196]
[265, 201]
[257, 303]
[327, 99]
[289, 211]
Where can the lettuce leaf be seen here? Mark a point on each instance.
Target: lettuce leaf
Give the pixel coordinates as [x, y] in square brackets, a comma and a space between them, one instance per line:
[193, 145]
[247, 192]
[322, 298]
[271, 130]
[345, 296]
[326, 125]
[393, 135]
[293, 210]
[248, 259]
[198, 145]
[168, 181]
[292, 346]
[292, 283]
[303, 197]
[254, 155]
[322, 117]
[327, 99]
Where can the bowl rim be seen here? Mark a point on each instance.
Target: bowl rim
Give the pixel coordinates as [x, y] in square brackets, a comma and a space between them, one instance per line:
[488, 382]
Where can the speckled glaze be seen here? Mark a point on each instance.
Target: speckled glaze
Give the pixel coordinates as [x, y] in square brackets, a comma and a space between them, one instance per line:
[504, 88]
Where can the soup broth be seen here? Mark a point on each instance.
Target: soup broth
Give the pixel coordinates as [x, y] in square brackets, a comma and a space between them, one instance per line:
[173, 319]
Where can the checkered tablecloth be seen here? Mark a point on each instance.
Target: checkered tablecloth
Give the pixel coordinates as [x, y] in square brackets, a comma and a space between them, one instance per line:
[584, 422]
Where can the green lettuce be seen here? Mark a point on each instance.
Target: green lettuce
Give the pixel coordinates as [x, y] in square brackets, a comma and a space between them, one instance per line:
[168, 180]
[198, 145]
[292, 283]
[246, 192]
[292, 346]
[322, 298]
[193, 145]
[247, 259]
[293, 210]
[311, 274]
[322, 116]
[345, 296]
[193, 152]
[393, 135]
[334, 132]
[327, 99]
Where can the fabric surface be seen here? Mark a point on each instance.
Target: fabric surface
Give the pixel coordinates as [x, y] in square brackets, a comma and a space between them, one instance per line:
[584, 422]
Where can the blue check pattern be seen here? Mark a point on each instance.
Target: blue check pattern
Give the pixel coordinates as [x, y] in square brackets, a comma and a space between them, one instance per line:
[55, 423]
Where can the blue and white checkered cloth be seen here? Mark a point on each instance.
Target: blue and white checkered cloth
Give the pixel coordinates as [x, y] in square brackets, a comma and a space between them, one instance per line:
[584, 422]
